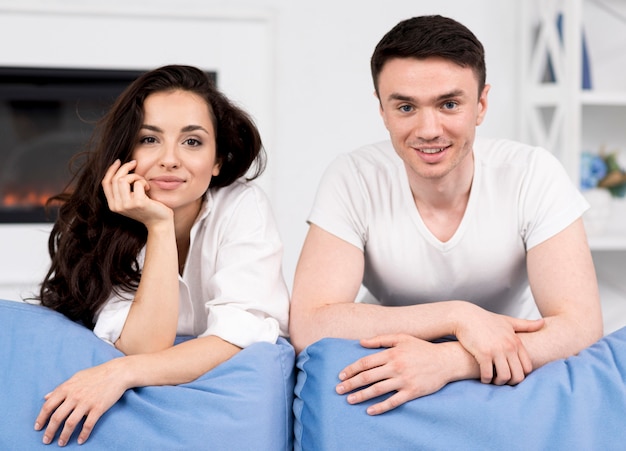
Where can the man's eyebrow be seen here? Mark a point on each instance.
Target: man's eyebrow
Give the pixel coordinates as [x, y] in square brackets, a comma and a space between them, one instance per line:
[405, 98]
[452, 94]
[401, 97]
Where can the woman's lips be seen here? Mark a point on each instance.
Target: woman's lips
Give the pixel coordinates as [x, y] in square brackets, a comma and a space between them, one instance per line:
[167, 183]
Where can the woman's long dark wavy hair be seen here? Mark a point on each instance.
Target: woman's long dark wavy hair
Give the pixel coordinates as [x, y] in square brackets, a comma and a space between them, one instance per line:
[93, 250]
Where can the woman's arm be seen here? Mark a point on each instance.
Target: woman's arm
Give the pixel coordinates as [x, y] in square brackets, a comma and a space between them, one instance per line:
[153, 317]
[91, 392]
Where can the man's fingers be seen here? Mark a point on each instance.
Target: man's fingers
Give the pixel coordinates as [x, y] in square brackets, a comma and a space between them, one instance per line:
[395, 400]
[382, 341]
[361, 365]
[487, 371]
[502, 371]
[526, 325]
[373, 390]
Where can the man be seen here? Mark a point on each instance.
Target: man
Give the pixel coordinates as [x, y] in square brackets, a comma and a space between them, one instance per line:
[453, 236]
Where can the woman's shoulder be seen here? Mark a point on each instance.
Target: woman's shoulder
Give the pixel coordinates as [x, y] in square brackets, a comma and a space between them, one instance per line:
[240, 188]
[240, 195]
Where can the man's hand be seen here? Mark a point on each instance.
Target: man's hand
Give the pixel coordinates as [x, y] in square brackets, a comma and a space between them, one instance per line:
[493, 341]
[411, 367]
[86, 395]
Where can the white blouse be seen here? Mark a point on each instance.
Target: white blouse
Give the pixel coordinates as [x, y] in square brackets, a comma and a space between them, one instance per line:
[232, 285]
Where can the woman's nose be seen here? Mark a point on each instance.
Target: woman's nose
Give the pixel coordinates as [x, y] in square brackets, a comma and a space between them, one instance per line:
[169, 156]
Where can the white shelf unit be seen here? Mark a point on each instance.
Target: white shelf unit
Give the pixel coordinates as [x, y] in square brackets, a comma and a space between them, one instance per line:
[558, 114]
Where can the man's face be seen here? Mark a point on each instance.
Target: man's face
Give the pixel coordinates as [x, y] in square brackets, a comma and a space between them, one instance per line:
[431, 108]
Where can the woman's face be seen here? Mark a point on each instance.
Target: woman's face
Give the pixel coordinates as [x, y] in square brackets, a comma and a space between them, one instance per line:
[175, 150]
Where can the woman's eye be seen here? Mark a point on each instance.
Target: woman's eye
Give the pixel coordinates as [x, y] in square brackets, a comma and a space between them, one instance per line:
[147, 140]
[192, 142]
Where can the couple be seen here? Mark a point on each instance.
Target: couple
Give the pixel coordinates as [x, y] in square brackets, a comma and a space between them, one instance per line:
[453, 236]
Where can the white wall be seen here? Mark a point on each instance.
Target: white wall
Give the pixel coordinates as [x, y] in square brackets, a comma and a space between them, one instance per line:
[301, 68]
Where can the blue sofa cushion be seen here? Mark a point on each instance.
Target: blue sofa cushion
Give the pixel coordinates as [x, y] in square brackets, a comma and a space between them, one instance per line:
[245, 403]
[577, 403]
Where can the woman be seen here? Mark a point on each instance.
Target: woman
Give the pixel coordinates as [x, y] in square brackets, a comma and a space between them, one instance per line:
[161, 236]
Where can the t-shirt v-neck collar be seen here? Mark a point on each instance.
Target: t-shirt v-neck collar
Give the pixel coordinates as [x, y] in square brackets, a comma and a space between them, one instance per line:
[417, 218]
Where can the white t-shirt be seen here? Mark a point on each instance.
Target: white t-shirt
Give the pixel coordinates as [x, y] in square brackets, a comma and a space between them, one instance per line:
[232, 285]
[520, 197]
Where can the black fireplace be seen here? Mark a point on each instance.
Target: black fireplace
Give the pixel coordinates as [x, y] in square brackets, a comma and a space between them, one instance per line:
[46, 117]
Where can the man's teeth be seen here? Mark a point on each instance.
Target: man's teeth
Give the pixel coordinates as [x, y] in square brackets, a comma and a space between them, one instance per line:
[431, 150]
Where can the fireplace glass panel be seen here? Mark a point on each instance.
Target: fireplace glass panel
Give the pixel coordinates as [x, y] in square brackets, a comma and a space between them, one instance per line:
[47, 116]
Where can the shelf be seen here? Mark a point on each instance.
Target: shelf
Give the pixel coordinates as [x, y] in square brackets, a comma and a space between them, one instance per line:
[611, 235]
[608, 242]
[559, 115]
[603, 98]
[550, 95]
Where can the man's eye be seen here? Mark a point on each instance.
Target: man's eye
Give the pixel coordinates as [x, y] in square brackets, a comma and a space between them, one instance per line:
[406, 108]
[449, 105]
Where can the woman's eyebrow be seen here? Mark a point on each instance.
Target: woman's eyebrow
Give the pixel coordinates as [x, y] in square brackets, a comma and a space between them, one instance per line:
[186, 129]
[152, 128]
[193, 128]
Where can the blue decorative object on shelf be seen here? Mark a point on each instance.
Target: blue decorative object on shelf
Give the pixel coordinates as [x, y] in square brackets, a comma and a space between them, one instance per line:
[593, 168]
[586, 62]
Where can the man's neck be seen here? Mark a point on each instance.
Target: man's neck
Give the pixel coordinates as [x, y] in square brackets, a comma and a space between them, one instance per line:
[442, 202]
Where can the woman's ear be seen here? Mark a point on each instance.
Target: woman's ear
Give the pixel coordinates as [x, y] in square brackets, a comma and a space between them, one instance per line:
[216, 168]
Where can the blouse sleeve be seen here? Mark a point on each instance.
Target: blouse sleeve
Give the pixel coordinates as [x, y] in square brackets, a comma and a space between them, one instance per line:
[112, 316]
[249, 300]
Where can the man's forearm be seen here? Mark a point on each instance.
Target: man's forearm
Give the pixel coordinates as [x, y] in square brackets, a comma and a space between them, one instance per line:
[357, 321]
[561, 337]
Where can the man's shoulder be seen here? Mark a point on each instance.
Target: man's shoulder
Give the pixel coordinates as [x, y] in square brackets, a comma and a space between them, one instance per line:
[377, 157]
[507, 151]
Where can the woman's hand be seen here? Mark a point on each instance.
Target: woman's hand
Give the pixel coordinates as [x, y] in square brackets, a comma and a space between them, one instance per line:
[493, 341]
[86, 395]
[126, 194]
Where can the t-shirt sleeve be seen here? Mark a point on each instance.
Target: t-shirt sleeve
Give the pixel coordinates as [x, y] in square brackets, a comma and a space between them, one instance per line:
[550, 202]
[340, 205]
